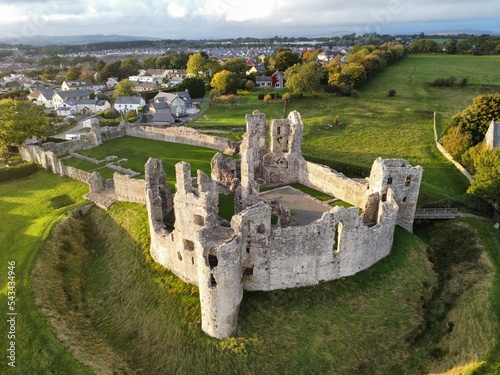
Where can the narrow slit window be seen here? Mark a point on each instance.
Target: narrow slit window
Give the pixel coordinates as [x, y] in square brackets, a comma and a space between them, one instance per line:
[212, 281]
[212, 261]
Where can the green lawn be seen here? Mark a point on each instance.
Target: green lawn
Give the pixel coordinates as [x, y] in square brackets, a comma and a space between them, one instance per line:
[138, 151]
[30, 207]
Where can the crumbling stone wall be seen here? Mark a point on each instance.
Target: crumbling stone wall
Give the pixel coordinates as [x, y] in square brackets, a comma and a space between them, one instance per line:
[183, 135]
[331, 182]
[129, 189]
[404, 181]
[108, 133]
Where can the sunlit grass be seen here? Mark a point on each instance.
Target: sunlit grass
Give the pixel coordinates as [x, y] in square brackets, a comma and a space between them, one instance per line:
[27, 217]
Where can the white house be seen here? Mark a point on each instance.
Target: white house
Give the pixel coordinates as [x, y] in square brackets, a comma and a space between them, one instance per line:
[61, 96]
[111, 82]
[276, 81]
[82, 106]
[81, 85]
[43, 97]
[127, 103]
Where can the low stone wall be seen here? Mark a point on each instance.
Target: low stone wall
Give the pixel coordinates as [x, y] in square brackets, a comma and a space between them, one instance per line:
[65, 147]
[75, 173]
[128, 189]
[183, 135]
[93, 160]
[325, 179]
[123, 170]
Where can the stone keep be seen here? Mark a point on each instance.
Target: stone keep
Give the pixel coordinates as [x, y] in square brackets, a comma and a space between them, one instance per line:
[249, 253]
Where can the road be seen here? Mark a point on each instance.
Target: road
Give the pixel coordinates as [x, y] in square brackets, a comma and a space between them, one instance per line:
[74, 130]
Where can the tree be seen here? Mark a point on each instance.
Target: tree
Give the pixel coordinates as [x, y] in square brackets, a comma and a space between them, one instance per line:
[196, 65]
[423, 46]
[284, 59]
[99, 65]
[73, 74]
[301, 78]
[148, 63]
[124, 88]
[237, 65]
[129, 66]
[450, 46]
[352, 74]
[111, 70]
[194, 85]
[19, 121]
[225, 82]
[486, 182]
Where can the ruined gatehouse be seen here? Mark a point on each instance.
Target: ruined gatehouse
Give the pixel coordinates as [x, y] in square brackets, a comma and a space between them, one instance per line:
[270, 243]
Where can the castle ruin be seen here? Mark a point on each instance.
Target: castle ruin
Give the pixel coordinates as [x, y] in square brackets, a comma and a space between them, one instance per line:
[270, 243]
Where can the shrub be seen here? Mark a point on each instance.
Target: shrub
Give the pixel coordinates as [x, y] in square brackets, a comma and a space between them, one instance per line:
[268, 98]
[287, 97]
[250, 85]
[21, 170]
[109, 122]
[131, 116]
[110, 114]
[391, 92]
[463, 82]
[443, 82]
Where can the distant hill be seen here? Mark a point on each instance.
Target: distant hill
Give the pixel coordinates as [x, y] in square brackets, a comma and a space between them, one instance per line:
[44, 40]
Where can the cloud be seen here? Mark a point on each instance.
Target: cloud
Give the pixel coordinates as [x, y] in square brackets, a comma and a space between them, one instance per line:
[238, 18]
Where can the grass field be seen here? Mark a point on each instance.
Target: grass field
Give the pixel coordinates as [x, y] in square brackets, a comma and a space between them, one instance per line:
[30, 207]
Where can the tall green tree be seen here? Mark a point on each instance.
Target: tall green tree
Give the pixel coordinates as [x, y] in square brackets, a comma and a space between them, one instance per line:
[124, 88]
[284, 59]
[148, 63]
[129, 67]
[19, 121]
[111, 70]
[225, 82]
[194, 85]
[237, 65]
[196, 65]
[301, 78]
[486, 182]
[73, 74]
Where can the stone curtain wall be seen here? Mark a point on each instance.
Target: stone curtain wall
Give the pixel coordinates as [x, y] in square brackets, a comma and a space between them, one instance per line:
[326, 180]
[183, 135]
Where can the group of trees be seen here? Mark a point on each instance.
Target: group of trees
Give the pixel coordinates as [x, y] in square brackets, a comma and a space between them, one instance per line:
[463, 139]
[338, 76]
[471, 45]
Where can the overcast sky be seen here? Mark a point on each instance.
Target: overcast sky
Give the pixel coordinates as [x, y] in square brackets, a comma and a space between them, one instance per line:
[200, 19]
